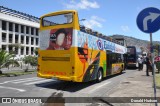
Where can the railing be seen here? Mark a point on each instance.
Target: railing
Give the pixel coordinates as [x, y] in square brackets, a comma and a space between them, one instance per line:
[95, 33]
[18, 14]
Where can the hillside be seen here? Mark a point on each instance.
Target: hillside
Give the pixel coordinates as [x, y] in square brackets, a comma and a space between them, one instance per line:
[131, 41]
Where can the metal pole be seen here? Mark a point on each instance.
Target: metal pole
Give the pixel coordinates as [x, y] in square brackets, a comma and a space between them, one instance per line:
[152, 59]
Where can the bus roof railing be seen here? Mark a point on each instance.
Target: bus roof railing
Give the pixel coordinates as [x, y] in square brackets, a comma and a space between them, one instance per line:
[100, 35]
[18, 14]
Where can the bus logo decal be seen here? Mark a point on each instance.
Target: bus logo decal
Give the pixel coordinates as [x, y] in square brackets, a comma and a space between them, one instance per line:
[100, 44]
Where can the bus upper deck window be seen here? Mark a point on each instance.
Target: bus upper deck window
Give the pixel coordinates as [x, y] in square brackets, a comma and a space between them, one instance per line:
[59, 19]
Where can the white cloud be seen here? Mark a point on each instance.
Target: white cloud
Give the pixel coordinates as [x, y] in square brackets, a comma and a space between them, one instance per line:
[98, 18]
[125, 28]
[83, 4]
[93, 22]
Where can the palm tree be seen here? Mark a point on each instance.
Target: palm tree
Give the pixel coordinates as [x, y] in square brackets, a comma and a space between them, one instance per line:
[6, 59]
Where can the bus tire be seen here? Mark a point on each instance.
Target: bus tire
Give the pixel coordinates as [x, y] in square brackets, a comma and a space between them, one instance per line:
[99, 75]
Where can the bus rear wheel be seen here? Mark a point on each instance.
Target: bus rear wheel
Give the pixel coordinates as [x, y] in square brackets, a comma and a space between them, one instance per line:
[99, 75]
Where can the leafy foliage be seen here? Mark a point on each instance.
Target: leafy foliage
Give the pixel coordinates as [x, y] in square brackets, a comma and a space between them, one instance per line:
[6, 59]
[32, 60]
[36, 51]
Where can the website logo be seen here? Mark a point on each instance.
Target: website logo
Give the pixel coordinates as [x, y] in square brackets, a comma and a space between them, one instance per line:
[6, 100]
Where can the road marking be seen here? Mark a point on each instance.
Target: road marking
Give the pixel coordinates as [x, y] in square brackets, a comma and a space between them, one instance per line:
[38, 81]
[21, 90]
[98, 86]
[17, 80]
[26, 80]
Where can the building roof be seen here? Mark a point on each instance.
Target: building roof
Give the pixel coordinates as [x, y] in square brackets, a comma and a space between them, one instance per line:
[18, 14]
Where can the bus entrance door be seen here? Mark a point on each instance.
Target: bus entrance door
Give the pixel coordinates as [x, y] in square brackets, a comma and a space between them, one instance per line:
[109, 63]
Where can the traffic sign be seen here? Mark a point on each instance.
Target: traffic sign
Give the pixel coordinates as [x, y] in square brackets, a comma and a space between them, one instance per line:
[148, 20]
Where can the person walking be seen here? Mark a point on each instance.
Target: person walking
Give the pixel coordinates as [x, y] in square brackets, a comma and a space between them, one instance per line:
[148, 66]
[139, 63]
[142, 58]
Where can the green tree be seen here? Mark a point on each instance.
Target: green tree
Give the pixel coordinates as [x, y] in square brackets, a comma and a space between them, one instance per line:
[33, 61]
[15, 48]
[6, 59]
[157, 48]
[36, 51]
[30, 60]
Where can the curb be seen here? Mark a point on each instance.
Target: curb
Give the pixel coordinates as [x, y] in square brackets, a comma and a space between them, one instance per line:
[15, 75]
[157, 78]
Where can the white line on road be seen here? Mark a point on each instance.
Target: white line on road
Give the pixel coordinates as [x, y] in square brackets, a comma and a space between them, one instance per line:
[98, 86]
[26, 80]
[21, 90]
[17, 80]
[38, 81]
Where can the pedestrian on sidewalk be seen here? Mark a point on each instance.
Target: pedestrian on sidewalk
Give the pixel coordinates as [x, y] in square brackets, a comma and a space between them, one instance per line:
[148, 66]
[139, 63]
[143, 61]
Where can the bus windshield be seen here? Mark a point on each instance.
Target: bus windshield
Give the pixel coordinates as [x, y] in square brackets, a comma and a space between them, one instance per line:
[131, 51]
[57, 19]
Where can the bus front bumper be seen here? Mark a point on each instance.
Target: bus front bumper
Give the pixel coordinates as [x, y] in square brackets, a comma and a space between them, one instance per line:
[131, 65]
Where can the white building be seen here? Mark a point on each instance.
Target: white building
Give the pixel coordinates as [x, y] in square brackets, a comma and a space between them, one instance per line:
[17, 28]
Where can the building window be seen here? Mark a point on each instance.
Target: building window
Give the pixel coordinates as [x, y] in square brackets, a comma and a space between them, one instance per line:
[3, 37]
[16, 50]
[27, 30]
[36, 41]
[22, 50]
[32, 50]
[32, 41]
[10, 38]
[32, 31]
[4, 25]
[3, 47]
[27, 39]
[22, 29]
[16, 28]
[10, 49]
[27, 50]
[22, 39]
[10, 26]
[16, 38]
[37, 31]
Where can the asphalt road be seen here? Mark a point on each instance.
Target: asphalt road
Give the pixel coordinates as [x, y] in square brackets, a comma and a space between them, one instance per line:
[32, 86]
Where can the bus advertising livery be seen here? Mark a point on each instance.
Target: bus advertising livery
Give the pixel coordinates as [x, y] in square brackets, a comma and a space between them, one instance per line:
[68, 52]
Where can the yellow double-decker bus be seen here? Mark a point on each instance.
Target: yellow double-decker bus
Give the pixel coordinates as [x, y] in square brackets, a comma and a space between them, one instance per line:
[71, 52]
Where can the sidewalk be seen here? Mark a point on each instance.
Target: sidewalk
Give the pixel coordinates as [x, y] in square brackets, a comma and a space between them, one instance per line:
[137, 85]
[17, 69]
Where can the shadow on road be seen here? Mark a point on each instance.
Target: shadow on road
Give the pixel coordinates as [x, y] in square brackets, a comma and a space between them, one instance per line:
[71, 86]
[131, 68]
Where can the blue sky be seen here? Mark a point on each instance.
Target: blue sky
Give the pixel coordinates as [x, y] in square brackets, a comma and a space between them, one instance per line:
[106, 16]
